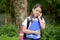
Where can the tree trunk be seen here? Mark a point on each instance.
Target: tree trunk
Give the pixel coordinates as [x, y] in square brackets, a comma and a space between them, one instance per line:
[20, 7]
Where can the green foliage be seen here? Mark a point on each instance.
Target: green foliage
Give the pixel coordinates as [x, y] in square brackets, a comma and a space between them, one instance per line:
[9, 30]
[51, 32]
[6, 6]
[5, 37]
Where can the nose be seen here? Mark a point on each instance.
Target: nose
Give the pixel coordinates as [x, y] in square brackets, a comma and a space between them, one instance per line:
[37, 12]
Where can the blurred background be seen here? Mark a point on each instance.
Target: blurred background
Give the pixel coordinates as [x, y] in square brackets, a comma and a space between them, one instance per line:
[13, 12]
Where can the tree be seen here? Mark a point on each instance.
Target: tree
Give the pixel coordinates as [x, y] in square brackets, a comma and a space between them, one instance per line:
[20, 7]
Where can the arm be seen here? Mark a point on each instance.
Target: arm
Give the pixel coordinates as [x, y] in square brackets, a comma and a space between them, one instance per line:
[42, 23]
[25, 30]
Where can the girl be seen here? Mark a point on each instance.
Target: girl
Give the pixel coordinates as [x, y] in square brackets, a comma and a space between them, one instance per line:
[36, 23]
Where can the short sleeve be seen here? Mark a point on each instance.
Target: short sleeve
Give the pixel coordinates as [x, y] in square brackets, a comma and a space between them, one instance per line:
[24, 22]
[43, 20]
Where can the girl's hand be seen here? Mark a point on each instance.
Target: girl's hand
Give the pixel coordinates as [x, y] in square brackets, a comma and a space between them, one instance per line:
[40, 15]
[37, 32]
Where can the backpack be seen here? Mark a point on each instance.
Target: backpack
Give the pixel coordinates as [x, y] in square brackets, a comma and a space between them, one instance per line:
[28, 21]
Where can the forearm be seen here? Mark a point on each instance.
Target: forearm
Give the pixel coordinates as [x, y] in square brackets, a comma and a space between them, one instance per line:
[29, 31]
[42, 23]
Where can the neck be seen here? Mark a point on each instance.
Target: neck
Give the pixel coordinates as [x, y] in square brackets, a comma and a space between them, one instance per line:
[34, 17]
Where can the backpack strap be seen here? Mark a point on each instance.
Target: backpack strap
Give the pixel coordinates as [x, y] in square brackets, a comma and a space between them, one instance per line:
[28, 21]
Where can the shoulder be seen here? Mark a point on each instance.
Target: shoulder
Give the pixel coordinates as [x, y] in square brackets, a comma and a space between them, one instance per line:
[43, 19]
[25, 21]
[27, 18]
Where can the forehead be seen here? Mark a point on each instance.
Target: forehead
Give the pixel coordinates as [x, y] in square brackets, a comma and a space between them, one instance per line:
[38, 8]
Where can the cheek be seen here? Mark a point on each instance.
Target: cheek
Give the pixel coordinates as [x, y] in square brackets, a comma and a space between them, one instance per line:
[38, 14]
[35, 14]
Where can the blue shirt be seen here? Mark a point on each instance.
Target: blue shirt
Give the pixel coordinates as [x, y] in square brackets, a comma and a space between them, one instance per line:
[35, 25]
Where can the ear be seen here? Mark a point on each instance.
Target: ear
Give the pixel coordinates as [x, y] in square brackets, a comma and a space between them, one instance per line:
[32, 9]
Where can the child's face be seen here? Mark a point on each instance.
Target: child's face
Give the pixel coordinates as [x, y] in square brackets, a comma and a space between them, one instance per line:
[36, 11]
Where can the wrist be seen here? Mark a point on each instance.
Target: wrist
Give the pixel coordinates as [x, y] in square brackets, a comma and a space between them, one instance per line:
[40, 19]
[21, 34]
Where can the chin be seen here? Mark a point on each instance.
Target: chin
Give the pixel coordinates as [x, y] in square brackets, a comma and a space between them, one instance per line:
[36, 16]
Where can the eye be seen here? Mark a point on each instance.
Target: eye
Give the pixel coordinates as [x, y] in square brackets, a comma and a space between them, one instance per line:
[36, 10]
